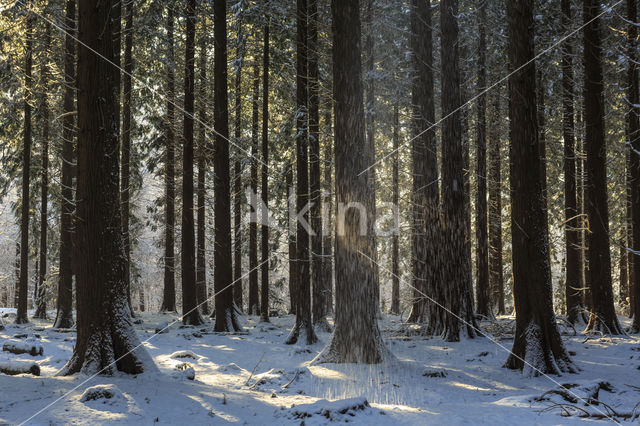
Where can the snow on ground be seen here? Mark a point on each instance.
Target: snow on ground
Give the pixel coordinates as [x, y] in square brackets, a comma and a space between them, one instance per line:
[253, 378]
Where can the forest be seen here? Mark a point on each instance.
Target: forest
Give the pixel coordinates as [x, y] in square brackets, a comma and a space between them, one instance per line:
[319, 211]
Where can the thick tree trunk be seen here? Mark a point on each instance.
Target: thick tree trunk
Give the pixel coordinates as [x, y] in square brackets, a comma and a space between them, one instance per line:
[573, 292]
[106, 339]
[125, 171]
[303, 324]
[23, 288]
[537, 347]
[602, 314]
[41, 296]
[395, 246]
[169, 293]
[190, 313]
[201, 263]
[64, 315]
[496, 274]
[223, 272]
[327, 243]
[634, 141]
[264, 232]
[318, 287]
[456, 275]
[254, 300]
[483, 304]
[356, 337]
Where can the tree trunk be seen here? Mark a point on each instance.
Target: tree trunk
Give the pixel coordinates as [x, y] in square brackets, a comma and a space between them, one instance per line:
[303, 324]
[293, 273]
[201, 263]
[602, 314]
[456, 275]
[254, 301]
[573, 292]
[223, 273]
[395, 246]
[319, 304]
[264, 274]
[327, 243]
[356, 337]
[64, 315]
[237, 182]
[581, 190]
[634, 140]
[125, 172]
[41, 296]
[169, 293]
[106, 337]
[496, 274]
[23, 288]
[190, 313]
[483, 304]
[537, 347]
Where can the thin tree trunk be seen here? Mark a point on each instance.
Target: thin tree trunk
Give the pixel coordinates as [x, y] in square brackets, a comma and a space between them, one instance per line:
[190, 313]
[602, 314]
[169, 293]
[293, 273]
[537, 339]
[254, 301]
[264, 274]
[223, 271]
[395, 246]
[64, 315]
[106, 339]
[41, 296]
[327, 243]
[303, 324]
[496, 274]
[201, 263]
[483, 304]
[21, 317]
[237, 190]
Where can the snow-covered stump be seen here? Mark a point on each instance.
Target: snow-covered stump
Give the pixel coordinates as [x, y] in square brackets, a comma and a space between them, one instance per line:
[13, 368]
[19, 348]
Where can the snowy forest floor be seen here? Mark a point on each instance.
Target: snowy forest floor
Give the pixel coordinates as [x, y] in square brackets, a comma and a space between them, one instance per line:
[430, 382]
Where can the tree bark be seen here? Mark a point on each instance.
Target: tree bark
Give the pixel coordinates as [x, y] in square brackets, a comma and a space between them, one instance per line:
[237, 182]
[254, 300]
[64, 314]
[456, 275]
[327, 243]
[395, 246]
[223, 273]
[483, 304]
[169, 293]
[106, 339]
[602, 316]
[264, 234]
[303, 324]
[41, 296]
[496, 274]
[573, 292]
[356, 337]
[537, 347]
[190, 313]
[293, 273]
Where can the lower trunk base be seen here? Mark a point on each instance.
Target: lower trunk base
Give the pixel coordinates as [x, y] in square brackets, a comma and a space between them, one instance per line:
[227, 322]
[605, 325]
[344, 348]
[64, 319]
[302, 331]
[193, 318]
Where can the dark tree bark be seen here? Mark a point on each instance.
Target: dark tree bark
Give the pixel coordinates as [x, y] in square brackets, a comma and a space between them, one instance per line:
[223, 272]
[356, 337]
[254, 301]
[395, 246]
[537, 347]
[542, 142]
[580, 198]
[264, 233]
[293, 273]
[573, 292]
[41, 294]
[64, 314]
[125, 164]
[190, 313]
[327, 242]
[457, 274]
[602, 313]
[201, 263]
[634, 141]
[237, 189]
[483, 304]
[106, 339]
[23, 288]
[318, 287]
[169, 293]
[496, 274]
[303, 324]
[425, 234]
